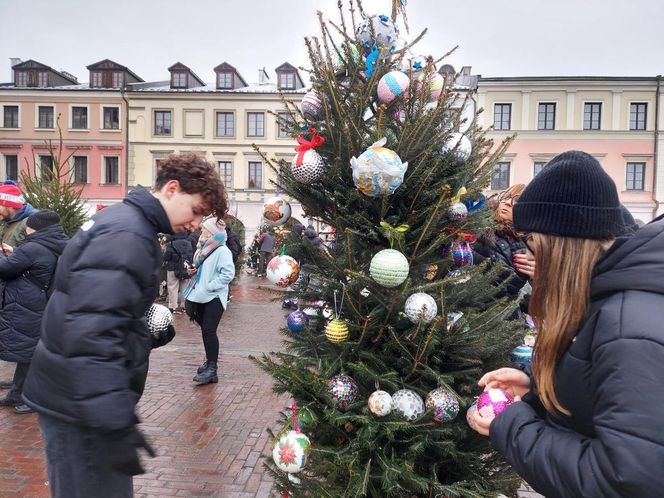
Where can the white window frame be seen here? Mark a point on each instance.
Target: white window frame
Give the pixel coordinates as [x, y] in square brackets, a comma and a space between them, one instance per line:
[3, 171]
[101, 118]
[232, 80]
[102, 170]
[55, 116]
[643, 179]
[94, 75]
[72, 166]
[2, 116]
[261, 186]
[246, 130]
[535, 163]
[71, 117]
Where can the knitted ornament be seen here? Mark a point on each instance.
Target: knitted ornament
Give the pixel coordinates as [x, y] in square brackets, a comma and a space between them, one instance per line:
[414, 64]
[492, 402]
[312, 106]
[457, 211]
[380, 403]
[343, 390]
[420, 307]
[436, 85]
[336, 331]
[462, 254]
[385, 34]
[378, 170]
[408, 404]
[444, 403]
[391, 86]
[522, 355]
[276, 211]
[389, 268]
[11, 196]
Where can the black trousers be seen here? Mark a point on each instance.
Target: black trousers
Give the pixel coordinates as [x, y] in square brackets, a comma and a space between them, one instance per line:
[207, 316]
[20, 374]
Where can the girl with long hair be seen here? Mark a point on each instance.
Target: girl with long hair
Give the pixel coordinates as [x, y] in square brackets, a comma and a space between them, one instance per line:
[588, 418]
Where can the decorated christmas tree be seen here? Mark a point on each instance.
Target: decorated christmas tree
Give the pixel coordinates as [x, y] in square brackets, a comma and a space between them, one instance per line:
[396, 324]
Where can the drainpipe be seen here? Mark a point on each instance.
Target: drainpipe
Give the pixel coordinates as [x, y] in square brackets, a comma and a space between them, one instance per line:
[126, 132]
[656, 147]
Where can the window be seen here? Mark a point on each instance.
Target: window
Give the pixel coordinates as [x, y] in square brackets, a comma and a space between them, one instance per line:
[111, 118]
[11, 167]
[96, 78]
[546, 116]
[592, 115]
[637, 116]
[11, 116]
[225, 124]
[42, 79]
[21, 78]
[635, 174]
[284, 122]
[502, 116]
[80, 169]
[255, 122]
[111, 171]
[162, 122]
[225, 80]
[46, 163]
[179, 80]
[118, 79]
[79, 118]
[500, 180]
[287, 81]
[45, 117]
[538, 166]
[226, 173]
[255, 175]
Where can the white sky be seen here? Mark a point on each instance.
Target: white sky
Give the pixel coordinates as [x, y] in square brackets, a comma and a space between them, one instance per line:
[496, 37]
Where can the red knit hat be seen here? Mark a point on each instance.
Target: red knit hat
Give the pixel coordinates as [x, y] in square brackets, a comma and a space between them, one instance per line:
[10, 195]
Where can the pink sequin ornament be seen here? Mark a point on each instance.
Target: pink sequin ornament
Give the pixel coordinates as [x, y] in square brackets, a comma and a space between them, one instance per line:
[491, 403]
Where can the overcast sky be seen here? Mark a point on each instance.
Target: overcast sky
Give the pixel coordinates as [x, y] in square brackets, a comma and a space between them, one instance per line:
[495, 37]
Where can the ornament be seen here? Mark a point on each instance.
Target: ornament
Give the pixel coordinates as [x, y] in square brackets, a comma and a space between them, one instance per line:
[308, 166]
[469, 415]
[297, 320]
[312, 106]
[444, 403]
[282, 270]
[159, 318]
[529, 340]
[389, 268]
[457, 211]
[492, 402]
[429, 271]
[380, 403]
[399, 115]
[436, 85]
[414, 65]
[452, 318]
[344, 50]
[391, 86]
[378, 170]
[459, 145]
[408, 404]
[336, 331]
[385, 34]
[462, 254]
[370, 61]
[291, 452]
[276, 211]
[343, 391]
[420, 307]
[522, 355]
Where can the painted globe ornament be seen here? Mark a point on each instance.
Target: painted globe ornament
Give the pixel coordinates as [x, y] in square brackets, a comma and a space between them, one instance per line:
[469, 415]
[522, 355]
[385, 35]
[420, 307]
[389, 268]
[312, 106]
[444, 404]
[291, 452]
[492, 402]
[312, 168]
[392, 86]
[282, 270]
[343, 390]
[297, 320]
[457, 211]
[378, 171]
[462, 254]
[459, 145]
[276, 211]
[336, 331]
[380, 403]
[408, 404]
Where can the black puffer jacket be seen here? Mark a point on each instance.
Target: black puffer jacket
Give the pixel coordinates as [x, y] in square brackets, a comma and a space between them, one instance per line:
[610, 380]
[90, 366]
[26, 275]
[498, 249]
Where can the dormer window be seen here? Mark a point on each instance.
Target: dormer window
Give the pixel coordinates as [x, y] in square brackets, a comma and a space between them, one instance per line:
[179, 80]
[225, 80]
[21, 78]
[118, 79]
[287, 81]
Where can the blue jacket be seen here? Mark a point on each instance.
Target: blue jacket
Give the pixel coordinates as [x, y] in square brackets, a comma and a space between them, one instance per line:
[216, 273]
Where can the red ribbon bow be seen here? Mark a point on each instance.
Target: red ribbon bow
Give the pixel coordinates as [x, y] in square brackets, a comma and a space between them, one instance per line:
[305, 145]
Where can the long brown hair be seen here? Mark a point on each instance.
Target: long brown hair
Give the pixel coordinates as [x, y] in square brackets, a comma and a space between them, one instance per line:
[561, 290]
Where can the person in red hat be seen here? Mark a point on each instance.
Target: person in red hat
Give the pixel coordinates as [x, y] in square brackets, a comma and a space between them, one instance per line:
[14, 212]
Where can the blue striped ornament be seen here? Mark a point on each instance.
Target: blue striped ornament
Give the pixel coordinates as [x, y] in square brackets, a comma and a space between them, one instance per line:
[522, 355]
[391, 86]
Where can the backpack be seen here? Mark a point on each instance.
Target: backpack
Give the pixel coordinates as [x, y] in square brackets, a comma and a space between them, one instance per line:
[182, 248]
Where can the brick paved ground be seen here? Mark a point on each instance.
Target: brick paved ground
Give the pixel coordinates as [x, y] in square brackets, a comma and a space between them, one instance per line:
[209, 439]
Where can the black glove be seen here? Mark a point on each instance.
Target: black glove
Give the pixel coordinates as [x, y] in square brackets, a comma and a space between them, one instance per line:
[122, 450]
[164, 338]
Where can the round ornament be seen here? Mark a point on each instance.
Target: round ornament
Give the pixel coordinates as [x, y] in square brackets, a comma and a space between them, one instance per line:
[312, 168]
[276, 211]
[343, 390]
[492, 402]
[436, 85]
[297, 320]
[420, 307]
[344, 50]
[529, 340]
[282, 270]
[389, 268]
[391, 86]
[414, 65]
[336, 331]
[457, 211]
[462, 254]
[385, 33]
[312, 106]
[159, 318]
[378, 170]
[380, 403]
[522, 355]
[444, 403]
[459, 145]
[291, 452]
[469, 413]
[408, 404]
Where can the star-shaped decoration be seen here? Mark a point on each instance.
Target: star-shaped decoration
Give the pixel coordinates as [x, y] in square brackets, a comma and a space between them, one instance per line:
[417, 65]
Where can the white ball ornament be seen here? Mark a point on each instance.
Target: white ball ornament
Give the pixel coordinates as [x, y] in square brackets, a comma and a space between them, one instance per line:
[421, 307]
[392, 86]
[282, 270]
[312, 168]
[291, 452]
[408, 404]
[459, 144]
[312, 106]
[276, 211]
[389, 268]
[380, 403]
[385, 34]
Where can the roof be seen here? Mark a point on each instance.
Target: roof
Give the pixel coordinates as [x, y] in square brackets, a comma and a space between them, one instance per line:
[164, 87]
[44, 66]
[515, 79]
[116, 65]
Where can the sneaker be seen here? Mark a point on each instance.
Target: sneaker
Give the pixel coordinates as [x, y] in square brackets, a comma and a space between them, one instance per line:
[23, 409]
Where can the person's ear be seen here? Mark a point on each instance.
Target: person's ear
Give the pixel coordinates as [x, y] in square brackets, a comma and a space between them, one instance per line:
[170, 188]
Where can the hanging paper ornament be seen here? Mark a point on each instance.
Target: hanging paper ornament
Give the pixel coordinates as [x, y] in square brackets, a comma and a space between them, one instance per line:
[378, 170]
[282, 270]
[291, 452]
[385, 34]
[391, 86]
[276, 211]
[336, 331]
[345, 52]
[469, 415]
[522, 355]
[492, 402]
[308, 166]
[389, 268]
[444, 403]
[297, 320]
[380, 403]
[459, 145]
[462, 254]
[408, 404]
[420, 307]
[343, 391]
[312, 106]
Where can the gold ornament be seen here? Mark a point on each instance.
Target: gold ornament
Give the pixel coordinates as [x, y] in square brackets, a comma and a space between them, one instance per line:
[336, 331]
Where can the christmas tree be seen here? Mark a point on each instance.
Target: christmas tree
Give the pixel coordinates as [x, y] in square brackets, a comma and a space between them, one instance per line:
[395, 305]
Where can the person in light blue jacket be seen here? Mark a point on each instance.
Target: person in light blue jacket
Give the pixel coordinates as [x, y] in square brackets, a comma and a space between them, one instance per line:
[207, 292]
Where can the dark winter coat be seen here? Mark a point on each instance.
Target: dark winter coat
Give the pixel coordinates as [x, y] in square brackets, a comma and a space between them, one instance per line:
[178, 250]
[26, 275]
[610, 380]
[90, 365]
[498, 249]
[233, 243]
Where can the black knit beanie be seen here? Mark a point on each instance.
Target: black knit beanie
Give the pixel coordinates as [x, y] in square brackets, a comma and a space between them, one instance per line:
[42, 219]
[573, 197]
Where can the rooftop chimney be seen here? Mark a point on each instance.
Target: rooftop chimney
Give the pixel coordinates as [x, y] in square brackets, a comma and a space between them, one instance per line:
[263, 78]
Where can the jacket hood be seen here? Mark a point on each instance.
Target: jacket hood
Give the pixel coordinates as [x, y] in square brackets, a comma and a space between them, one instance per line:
[22, 213]
[632, 263]
[152, 209]
[51, 237]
